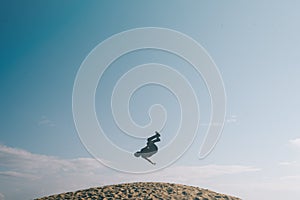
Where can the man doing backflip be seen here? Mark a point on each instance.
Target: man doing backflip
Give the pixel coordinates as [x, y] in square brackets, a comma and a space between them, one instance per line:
[150, 149]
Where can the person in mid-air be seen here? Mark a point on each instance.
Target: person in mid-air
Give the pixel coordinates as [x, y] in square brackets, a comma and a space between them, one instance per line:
[150, 149]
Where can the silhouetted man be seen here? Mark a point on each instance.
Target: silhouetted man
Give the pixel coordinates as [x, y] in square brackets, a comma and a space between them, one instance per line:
[150, 149]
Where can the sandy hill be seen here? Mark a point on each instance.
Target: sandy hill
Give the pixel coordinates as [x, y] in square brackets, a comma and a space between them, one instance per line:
[143, 191]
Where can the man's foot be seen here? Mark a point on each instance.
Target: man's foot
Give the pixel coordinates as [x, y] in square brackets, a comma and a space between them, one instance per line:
[157, 134]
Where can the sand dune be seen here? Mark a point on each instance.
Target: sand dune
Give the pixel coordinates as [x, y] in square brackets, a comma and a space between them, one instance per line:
[143, 191]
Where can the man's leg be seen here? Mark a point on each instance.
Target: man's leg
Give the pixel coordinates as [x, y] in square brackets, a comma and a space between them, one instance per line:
[156, 140]
[151, 138]
[157, 135]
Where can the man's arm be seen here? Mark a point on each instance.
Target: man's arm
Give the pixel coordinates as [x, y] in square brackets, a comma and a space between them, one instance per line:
[149, 161]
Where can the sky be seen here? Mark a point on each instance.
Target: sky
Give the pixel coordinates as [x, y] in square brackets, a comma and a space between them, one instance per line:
[254, 44]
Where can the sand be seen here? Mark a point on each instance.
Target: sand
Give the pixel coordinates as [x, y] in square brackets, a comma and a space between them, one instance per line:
[143, 191]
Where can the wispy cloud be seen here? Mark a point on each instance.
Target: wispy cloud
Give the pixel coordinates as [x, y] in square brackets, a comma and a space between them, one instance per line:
[44, 121]
[54, 175]
[295, 142]
[1, 196]
[17, 175]
[289, 163]
[231, 119]
[18, 169]
[39, 165]
[293, 178]
[189, 173]
[27, 175]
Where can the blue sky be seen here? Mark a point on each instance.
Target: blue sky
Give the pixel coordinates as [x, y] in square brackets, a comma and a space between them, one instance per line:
[254, 44]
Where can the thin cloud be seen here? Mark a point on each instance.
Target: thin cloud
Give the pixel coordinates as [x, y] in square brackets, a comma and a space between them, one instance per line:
[286, 163]
[18, 169]
[21, 159]
[55, 175]
[289, 164]
[209, 171]
[2, 197]
[231, 119]
[17, 175]
[45, 122]
[191, 175]
[293, 178]
[295, 142]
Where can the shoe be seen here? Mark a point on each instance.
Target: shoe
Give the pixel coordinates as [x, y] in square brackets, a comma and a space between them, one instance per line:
[157, 134]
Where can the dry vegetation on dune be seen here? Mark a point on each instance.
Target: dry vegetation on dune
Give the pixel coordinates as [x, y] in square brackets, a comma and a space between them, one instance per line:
[143, 191]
